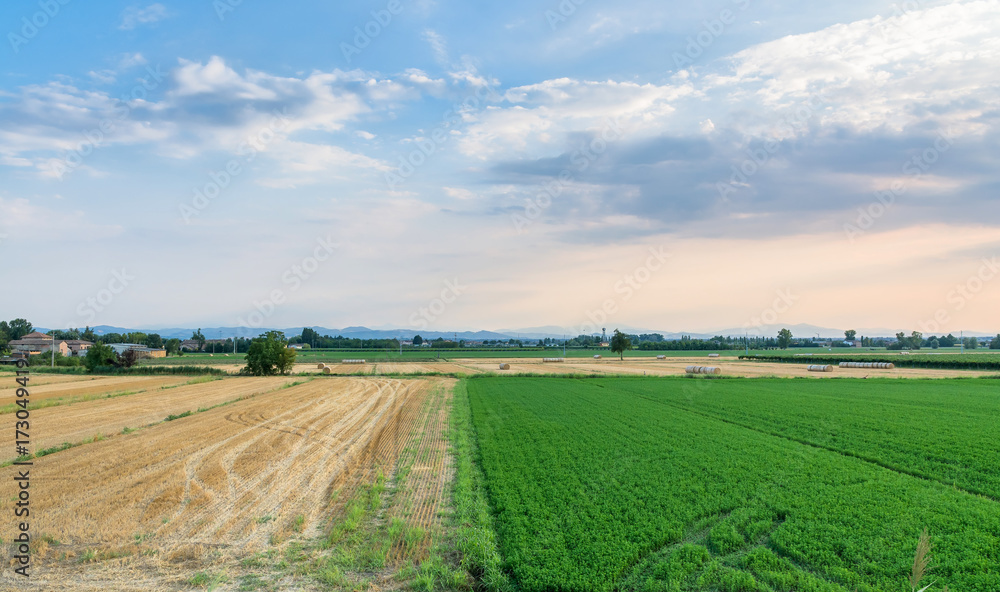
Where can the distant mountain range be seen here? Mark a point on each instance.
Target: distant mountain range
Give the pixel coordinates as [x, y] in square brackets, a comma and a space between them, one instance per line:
[548, 331]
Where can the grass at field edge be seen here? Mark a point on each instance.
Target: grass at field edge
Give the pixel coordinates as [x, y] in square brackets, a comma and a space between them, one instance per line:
[476, 538]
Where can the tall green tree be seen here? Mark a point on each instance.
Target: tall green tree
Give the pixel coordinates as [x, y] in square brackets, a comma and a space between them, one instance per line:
[995, 344]
[850, 335]
[18, 328]
[620, 343]
[270, 355]
[417, 340]
[173, 346]
[197, 336]
[784, 338]
[99, 356]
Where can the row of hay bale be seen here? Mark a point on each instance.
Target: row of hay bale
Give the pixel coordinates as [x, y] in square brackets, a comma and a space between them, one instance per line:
[703, 370]
[874, 365]
[815, 368]
[553, 360]
[324, 368]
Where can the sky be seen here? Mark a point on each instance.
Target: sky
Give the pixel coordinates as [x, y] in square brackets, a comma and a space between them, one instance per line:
[444, 165]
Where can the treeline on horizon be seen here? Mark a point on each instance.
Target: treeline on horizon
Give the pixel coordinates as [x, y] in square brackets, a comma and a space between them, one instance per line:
[18, 328]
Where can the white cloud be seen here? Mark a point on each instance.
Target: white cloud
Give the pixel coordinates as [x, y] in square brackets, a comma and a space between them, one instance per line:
[936, 65]
[103, 76]
[438, 46]
[135, 16]
[540, 117]
[204, 106]
[130, 60]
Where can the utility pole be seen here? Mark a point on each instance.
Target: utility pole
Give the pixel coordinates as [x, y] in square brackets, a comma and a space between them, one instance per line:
[53, 350]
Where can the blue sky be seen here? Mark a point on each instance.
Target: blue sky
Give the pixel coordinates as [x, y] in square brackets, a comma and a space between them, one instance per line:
[205, 163]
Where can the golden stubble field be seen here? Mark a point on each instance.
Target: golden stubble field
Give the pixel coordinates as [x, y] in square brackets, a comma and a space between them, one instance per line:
[145, 510]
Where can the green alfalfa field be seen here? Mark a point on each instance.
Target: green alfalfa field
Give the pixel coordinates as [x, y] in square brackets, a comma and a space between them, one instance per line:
[734, 484]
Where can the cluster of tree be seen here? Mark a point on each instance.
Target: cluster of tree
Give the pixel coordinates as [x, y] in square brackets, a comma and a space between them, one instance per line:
[516, 342]
[686, 343]
[917, 341]
[10, 331]
[315, 340]
[101, 355]
[269, 355]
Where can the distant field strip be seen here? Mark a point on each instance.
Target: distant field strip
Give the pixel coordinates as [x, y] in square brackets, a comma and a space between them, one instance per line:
[83, 386]
[80, 421]
[947, 432]
[626, 484]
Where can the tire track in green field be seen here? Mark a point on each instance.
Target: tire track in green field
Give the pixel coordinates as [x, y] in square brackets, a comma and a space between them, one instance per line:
[845, 453]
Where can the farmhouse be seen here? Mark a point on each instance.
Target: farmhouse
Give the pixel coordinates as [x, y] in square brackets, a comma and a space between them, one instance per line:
[190, 345]
[38, 343]
[142, 350]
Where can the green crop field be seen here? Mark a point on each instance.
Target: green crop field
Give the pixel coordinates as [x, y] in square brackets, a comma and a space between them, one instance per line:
[740, 485]
[986, 360]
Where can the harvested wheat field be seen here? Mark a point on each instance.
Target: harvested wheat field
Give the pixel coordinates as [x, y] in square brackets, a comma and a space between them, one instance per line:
[424, 491]
[144, 511]
[83, 387]
[89, 420]
[675, 367]
[37, 379]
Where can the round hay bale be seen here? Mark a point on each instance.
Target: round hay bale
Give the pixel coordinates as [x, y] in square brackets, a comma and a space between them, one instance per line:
[320, 366]
[597, 357]
[553, 360]
[817, 368]
[505, 366]
[713, 355]
[327, 370]
[661, 357]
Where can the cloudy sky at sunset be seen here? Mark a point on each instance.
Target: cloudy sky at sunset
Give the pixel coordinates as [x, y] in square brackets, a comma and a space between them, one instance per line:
[673, 165]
